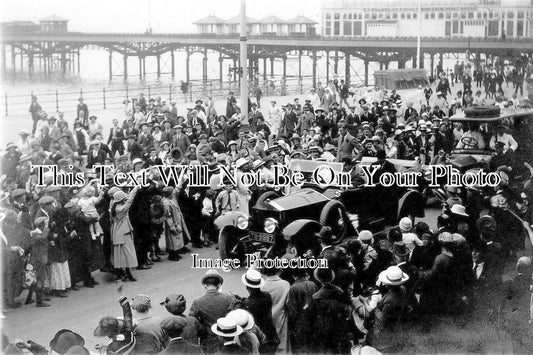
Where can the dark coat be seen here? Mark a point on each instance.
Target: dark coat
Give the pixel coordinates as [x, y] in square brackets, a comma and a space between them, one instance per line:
[298, 301]
[79, 246]
[260, 306]
[116, 142]
[329, 315]
[233, 349]
[182, 142]
[99, 158]
[207, 309]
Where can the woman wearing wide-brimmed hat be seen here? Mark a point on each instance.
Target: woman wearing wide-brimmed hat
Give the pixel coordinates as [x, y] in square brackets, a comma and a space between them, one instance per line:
[124, 256]
[390, 310]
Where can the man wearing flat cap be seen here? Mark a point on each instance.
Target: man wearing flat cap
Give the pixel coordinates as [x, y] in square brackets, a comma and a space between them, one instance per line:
[210, 307]
[148, 333]
[173, 327]
[176, 304]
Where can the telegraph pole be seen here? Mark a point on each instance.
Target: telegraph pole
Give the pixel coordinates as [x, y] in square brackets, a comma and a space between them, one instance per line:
[243, 42]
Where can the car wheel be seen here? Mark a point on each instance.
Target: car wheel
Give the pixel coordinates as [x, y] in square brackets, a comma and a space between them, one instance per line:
[334, 216]
[230, 245]
[269, 195]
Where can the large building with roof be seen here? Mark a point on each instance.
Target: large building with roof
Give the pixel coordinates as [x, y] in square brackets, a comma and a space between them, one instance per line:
[49, 24]
[271, 25]
[438, 18]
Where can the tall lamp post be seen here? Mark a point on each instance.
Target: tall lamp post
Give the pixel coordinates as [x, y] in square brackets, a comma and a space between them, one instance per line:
[419, 34]
[244, 61]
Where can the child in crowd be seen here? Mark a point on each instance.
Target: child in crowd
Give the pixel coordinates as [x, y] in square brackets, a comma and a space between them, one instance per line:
[87, 203]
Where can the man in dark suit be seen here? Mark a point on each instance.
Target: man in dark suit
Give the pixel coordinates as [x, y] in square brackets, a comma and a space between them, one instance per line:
[166, 132]
[180, 139]
[129, 128]
[134, 148]
[253, 117]
[82, 111]
[262, 126]
[346, 144]
[385, 194]
[116, 136]
[217, 145]
[344, 92]
[352, 121]
[325, 238]
[153, 159]
[95, 155]
[384, 166]
[290, 121]
[173, 327]
[145, 138]
[210, 307]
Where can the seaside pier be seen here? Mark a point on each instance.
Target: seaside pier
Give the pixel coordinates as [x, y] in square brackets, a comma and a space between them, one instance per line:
[61, 52]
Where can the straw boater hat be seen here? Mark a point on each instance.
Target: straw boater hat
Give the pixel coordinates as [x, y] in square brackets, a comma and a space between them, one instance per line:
[393, 276]
[459, 210]
[226, 327]
[258, 163]
[242, 318]
[241, 162]
[252, 278]
[365, 236]
[136, 161]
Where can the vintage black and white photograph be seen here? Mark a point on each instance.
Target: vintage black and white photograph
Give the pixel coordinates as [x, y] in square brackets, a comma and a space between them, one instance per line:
[266, 177]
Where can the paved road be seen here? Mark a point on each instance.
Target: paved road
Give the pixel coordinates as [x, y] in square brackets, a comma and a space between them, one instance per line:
[82, 310]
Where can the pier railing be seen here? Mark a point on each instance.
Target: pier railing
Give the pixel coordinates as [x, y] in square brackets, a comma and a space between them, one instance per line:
[113, 98]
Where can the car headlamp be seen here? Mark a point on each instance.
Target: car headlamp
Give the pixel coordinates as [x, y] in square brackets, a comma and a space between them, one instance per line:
[242, 222]
[270, 225]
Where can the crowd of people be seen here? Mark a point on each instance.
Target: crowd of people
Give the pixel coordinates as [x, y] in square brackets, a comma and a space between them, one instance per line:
[54, 237]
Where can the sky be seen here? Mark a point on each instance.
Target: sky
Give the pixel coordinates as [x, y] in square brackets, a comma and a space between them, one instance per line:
[166, 16]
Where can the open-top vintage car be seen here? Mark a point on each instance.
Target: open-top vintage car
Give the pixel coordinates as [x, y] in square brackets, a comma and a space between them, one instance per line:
[279, 223]
[519, 121]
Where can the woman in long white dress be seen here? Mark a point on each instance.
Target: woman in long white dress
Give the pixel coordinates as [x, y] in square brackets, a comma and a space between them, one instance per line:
[274, 117]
